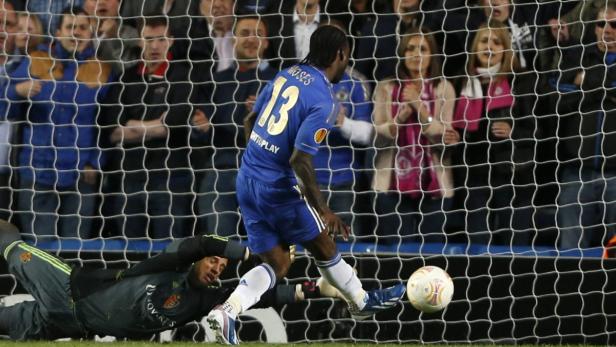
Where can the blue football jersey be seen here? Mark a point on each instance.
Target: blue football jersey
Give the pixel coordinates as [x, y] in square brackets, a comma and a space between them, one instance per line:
[295, 110]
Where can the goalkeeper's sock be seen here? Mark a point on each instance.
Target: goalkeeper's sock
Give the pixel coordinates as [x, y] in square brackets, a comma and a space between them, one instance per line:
[248, 292]
[341, 275]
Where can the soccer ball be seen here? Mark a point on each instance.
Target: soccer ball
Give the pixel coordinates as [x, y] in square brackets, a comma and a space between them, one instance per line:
[429, 289]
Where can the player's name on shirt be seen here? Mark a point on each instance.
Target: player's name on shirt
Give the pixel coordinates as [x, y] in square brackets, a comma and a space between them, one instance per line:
[263, 143]
[301, 75]
[164, 320]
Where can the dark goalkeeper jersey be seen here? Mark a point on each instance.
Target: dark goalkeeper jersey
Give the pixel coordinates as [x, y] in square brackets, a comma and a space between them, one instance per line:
[146, 304]
[156, 294]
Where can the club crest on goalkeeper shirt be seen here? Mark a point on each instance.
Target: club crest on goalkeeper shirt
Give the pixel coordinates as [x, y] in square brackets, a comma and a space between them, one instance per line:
[172, 301]
[25, 257]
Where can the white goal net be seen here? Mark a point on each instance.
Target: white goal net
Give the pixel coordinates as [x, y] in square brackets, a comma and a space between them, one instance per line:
[478, 136]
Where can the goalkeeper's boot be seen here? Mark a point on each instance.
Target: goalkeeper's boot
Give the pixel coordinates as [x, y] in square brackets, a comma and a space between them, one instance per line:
[223, 326]
[378, 300]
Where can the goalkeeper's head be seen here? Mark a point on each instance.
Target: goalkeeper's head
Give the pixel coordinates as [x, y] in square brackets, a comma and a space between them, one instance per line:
[206, 271]
[329, 50]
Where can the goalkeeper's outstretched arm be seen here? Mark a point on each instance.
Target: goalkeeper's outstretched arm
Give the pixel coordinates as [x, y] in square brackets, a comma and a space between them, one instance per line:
[182, 253]
[284, 294]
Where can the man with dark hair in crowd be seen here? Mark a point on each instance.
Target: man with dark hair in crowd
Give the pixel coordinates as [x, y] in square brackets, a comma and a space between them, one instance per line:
[291, 29]
[55, 94]
[569, 28]
[218, 18]
[586, 104]
[50, 11]
[191, 37]
[147, 117]
[117, 43]
[233, 92]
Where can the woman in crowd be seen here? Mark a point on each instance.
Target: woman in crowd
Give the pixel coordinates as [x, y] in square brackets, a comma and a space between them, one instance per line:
[485, 116]
[413, 115]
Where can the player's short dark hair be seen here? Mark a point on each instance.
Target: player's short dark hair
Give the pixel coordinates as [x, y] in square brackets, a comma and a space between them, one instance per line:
[325, 44]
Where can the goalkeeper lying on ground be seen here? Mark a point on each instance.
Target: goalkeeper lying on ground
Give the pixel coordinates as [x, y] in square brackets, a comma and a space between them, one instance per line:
[160, 293]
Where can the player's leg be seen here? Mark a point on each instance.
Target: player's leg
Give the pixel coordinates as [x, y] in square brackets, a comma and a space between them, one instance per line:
[13, 320]
[302, 225]
[340, 274]
[335, 269]
[34, 268]
[44, 276]
[253, 284]
[299, 223]
[23, 321]
[261, 278]
[263, 240]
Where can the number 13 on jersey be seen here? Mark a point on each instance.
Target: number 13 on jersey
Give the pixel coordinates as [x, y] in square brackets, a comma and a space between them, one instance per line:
[277, 123]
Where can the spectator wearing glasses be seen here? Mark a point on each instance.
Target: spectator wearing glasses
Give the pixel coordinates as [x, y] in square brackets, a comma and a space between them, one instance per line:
[586, 101]
[566, 33]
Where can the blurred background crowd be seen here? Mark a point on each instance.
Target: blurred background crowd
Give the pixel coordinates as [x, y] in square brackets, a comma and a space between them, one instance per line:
[467, 121]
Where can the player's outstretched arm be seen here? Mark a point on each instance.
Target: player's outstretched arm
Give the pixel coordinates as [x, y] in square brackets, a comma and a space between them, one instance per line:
[182, 253]
[301, 162]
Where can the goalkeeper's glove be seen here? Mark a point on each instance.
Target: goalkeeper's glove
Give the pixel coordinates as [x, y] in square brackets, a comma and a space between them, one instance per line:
[212, 245]
[328, 290]
[307, 290]
[316, 289]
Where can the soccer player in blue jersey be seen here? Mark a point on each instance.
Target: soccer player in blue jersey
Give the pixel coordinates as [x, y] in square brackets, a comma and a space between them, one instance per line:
[278, 195]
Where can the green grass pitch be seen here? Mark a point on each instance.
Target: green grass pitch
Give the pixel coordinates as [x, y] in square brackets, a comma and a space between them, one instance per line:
[193, 344]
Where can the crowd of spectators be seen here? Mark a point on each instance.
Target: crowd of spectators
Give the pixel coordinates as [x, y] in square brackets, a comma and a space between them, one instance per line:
[474, 121]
